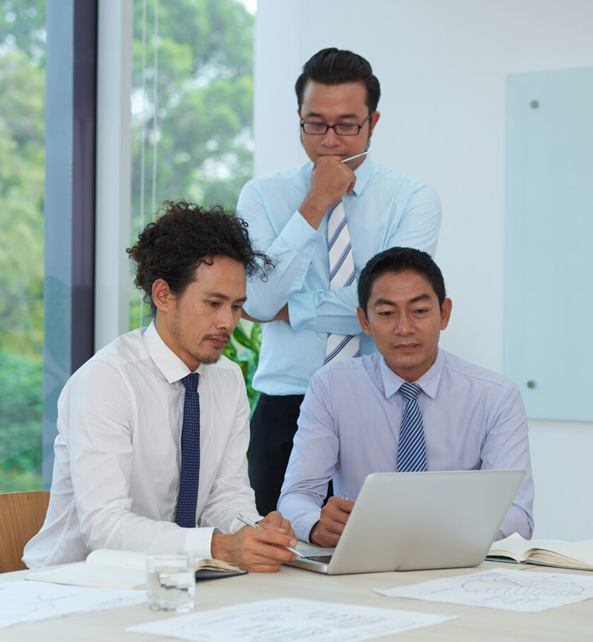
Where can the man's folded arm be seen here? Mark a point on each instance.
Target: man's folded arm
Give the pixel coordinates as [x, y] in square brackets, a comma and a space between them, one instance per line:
[100, 416]
[312, 461]
[335, 310]
[325, 311]
[291, 249]
[507, 447]
[331, 311]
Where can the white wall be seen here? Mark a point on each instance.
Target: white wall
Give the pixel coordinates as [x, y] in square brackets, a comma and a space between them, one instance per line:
[442, 66]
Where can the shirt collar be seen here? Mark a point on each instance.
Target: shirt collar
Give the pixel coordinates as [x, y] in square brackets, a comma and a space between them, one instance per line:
[363, 173]
[165, 359]
[429, 381]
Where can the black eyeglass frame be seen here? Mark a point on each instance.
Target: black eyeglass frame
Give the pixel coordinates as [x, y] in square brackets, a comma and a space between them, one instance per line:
[328, 127]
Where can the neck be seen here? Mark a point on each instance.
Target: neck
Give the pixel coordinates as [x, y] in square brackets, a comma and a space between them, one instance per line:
[169, 338]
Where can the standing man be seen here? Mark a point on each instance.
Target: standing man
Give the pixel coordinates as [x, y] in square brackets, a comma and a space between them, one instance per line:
[321, 222]
[153, 430]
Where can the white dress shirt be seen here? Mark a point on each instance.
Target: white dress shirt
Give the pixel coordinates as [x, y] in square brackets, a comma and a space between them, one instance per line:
[118, 455]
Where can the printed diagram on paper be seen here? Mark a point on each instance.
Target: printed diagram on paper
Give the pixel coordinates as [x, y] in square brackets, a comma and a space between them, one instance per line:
[25, 601]
[515, 590]
[290, 619]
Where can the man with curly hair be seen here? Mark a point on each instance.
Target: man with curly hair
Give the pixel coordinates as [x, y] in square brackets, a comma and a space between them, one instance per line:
[153, 430]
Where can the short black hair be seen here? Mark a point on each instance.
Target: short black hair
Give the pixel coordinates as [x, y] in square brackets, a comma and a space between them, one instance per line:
[183, 237]
[336, 67]
[400, 259]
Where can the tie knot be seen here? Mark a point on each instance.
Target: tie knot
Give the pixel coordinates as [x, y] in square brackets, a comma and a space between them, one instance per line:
[410, 390]
[191, 381]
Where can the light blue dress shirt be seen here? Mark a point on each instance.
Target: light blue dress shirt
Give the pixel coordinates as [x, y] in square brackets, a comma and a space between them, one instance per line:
[386, 208]
[349, 427]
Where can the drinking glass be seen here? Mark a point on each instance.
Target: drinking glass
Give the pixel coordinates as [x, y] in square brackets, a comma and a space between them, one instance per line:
[170, 581]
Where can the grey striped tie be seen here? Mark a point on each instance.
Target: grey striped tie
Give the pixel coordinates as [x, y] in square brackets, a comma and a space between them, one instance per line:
[411, 452]
[341, 275]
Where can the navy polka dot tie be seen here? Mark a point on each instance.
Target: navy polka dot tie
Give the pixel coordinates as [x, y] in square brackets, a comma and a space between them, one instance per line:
[411, 452]
[190, 454]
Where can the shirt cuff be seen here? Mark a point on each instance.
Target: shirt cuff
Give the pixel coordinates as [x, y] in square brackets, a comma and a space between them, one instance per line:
[302, 312]
[303, 526]
[198, 541]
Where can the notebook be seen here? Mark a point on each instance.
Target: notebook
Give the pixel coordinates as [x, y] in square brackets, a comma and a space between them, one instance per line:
[105, 568]
[543, 552]
[413, 521]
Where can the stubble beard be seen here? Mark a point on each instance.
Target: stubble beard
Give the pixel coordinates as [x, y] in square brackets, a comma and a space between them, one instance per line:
[200, 358]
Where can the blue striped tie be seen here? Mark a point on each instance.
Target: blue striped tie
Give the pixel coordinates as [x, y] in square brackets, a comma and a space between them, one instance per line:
[411, 452]
[341, 275]
[190, 454]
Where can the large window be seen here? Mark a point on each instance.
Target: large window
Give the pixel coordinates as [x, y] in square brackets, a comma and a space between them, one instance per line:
[22, 154]
[191, 107]
[192, 115]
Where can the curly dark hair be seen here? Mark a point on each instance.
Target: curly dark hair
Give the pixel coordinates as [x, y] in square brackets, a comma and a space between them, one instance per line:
[183, 237]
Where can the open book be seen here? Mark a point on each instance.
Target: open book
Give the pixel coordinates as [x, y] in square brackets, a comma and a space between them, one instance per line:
[544, 552]
[119, 569]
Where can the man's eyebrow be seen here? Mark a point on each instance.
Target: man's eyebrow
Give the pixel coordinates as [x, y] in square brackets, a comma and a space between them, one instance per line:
[377, 302]
[224, 297]
[314, 114]
[416, 299]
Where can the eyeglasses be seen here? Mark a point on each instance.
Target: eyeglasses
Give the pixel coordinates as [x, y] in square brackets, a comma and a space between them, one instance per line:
[341, 129]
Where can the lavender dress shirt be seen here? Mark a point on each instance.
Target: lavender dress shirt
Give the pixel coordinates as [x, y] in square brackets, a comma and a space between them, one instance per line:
[349, 427]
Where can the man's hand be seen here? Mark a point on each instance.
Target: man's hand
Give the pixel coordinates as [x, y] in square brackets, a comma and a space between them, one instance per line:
[330, 526]
[331, 180]
[276, 520]
[254, 549]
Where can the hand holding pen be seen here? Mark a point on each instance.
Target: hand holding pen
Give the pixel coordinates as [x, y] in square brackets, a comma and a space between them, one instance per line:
[248, 522]
[261, 550]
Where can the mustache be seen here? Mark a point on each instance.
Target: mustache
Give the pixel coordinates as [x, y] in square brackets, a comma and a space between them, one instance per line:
[225, 337]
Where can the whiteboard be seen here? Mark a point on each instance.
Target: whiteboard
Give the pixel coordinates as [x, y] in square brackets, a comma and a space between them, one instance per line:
[548, 302]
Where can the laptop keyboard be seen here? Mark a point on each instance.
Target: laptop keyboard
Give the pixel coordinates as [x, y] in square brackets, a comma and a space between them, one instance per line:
[324, 559]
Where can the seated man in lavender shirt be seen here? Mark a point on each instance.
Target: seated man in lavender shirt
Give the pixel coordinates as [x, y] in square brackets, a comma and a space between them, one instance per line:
[409, 407]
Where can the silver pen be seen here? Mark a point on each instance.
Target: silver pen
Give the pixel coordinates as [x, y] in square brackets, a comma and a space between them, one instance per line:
[346, 160]
[248, 522]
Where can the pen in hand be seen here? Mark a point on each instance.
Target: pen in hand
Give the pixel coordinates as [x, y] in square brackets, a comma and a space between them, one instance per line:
[248, 522]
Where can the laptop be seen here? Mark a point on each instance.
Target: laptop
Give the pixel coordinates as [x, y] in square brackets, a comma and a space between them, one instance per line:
[414, 521]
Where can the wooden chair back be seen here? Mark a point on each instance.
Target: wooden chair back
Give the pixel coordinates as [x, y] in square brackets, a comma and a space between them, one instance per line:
[21, 516]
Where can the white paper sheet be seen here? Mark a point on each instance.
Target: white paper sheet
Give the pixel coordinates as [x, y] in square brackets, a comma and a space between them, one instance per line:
[289, 619]
[502, 589]
[26, 601]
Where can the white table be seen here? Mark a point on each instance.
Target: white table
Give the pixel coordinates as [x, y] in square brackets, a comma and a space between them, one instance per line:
[572, 623]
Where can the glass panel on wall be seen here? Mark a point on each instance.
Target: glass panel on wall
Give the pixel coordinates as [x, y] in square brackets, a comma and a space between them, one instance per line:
[22, 154]
[192, 120]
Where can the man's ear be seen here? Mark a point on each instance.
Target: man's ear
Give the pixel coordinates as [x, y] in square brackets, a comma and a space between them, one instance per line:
[364, 323]
[446, 313]
[374, 120]
[162, 296]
